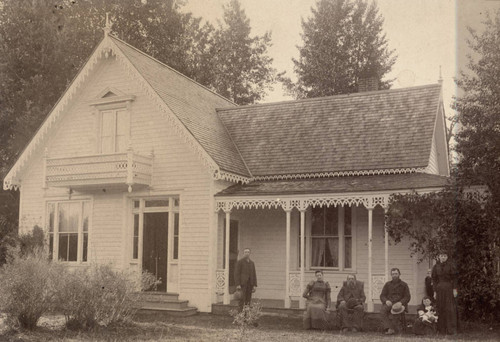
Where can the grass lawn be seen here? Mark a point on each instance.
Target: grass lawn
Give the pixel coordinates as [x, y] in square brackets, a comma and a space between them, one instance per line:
[206, 327]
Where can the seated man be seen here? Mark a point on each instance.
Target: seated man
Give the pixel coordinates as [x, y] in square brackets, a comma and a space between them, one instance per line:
[394, 297]
[350, 302]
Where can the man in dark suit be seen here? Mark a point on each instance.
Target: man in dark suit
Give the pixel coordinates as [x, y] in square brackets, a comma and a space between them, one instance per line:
[350, 304]
[245, 278]
[395, 297]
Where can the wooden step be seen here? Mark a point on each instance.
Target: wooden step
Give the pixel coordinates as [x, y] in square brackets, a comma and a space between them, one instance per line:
[158, 296]
[187, 311]
[164, 304]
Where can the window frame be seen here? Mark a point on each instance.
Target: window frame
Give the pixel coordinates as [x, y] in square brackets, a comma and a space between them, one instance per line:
[55, 234]
[172, 209]
[111, 99]
[341, 237]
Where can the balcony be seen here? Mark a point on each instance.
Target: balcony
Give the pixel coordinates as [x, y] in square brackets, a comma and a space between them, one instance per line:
[118, 171]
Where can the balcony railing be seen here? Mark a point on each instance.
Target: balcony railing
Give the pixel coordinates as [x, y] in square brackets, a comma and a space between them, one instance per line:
[117, 169]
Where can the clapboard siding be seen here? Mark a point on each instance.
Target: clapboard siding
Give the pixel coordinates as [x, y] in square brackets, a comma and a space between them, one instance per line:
[433, 161]
[177, 170]
[264, 231]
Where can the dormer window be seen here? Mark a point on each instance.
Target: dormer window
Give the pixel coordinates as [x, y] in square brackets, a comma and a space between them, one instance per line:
[113, 120]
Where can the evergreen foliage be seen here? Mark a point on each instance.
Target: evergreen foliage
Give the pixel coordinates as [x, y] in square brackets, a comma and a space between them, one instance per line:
[242, 67]
[478, 111]
[343, 42]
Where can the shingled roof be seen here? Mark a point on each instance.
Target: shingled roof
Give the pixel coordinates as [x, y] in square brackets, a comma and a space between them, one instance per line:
[193, 104]
[351, 184]
[380, 130]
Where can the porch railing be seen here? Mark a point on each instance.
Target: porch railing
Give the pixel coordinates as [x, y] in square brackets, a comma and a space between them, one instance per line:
[220, 281]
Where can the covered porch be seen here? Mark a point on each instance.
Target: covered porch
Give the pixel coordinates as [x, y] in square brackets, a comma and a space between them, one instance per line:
[281, 221]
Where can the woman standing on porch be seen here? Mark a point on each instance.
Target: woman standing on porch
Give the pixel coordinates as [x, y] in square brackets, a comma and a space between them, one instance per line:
[317, 294]
[443, 280]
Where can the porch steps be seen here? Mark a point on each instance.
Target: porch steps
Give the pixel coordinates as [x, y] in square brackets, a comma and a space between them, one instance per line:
[152, 303]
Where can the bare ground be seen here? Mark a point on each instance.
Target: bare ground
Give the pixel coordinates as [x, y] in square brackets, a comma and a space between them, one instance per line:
[206, 327]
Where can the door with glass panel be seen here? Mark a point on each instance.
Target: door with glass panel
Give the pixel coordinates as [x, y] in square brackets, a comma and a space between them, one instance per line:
[155, 240]
[155, 247]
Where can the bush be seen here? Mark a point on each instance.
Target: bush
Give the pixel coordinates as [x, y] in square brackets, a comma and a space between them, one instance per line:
[29, 286]
[100, 295]
[248, 317]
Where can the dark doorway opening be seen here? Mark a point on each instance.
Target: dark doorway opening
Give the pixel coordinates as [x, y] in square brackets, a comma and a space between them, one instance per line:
[155, 247]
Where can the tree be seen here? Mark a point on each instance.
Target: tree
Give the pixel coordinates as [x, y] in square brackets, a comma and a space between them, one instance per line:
[242, 67]
[478, 111]
[465, 226]
[343, 42]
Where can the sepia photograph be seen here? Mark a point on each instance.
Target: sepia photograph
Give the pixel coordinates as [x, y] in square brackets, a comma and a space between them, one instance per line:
[250, 170]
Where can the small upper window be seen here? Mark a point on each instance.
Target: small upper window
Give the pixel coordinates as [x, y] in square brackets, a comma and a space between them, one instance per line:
[113, 108]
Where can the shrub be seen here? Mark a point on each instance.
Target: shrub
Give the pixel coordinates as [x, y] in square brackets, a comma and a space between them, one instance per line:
[246, 318]
[100, 295]
[29, 285]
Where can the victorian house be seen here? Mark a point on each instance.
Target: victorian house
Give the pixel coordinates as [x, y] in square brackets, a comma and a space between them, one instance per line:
[141, 167]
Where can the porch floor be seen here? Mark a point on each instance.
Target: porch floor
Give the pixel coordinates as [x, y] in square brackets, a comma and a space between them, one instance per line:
[276, 307]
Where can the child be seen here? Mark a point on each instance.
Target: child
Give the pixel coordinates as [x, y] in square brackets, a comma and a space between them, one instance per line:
[426, 322]
[426, 311]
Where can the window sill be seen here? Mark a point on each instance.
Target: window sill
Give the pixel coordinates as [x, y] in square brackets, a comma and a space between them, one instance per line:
[329, 270]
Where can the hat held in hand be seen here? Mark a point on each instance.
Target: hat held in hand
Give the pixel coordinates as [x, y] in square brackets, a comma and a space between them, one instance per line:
[237, 294]
[397, 309]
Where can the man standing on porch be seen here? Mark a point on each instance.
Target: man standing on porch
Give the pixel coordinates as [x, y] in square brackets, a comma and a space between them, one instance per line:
[245, 278]
[395, 297]
[350, 304]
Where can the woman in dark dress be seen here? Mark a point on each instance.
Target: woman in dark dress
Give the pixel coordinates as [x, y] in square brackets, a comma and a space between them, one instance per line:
[317, 294]
[443, 280]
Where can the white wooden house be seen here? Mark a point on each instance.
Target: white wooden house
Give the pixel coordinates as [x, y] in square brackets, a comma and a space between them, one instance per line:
[141, 167]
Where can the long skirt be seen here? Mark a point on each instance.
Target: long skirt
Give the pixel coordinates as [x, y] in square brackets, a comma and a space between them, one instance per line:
[424, 328]
[446, 308]
[315, 316]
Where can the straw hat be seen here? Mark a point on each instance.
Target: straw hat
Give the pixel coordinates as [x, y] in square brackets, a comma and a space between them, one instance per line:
[397, 309]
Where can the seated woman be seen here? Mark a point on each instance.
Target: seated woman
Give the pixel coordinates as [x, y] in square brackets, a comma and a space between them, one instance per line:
[426, 322]
[317, 294]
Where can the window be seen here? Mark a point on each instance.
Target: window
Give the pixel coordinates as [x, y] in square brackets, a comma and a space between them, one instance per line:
[115, 129]
[325, 237]
[331, 238]
[68, 226]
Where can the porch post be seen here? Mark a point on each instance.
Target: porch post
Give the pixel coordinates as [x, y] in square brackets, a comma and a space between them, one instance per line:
[302, 302]
[370, 233]
[386, 248]
[287, 263]
[226, 258]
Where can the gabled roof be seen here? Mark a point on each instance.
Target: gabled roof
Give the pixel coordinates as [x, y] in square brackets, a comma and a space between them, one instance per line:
[193, 104]
[358, 134]
[346, 134]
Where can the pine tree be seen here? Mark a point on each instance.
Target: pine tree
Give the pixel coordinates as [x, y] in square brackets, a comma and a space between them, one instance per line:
[242, 67]
[478, 111]
[343, 42]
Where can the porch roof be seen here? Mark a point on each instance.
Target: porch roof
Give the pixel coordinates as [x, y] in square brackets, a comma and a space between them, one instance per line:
[347, 184]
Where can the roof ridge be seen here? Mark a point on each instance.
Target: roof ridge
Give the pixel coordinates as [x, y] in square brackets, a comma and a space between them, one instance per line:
[313, 99]
[234, 143]
[170, 68]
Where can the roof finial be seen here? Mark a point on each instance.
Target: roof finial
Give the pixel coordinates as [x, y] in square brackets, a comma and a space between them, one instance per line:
[107, 28]
[440, 80]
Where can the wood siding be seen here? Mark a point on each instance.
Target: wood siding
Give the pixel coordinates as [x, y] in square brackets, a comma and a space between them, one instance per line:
[177, 170]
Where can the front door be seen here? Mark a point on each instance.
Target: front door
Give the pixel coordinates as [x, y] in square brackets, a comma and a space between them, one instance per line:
[155, 247]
